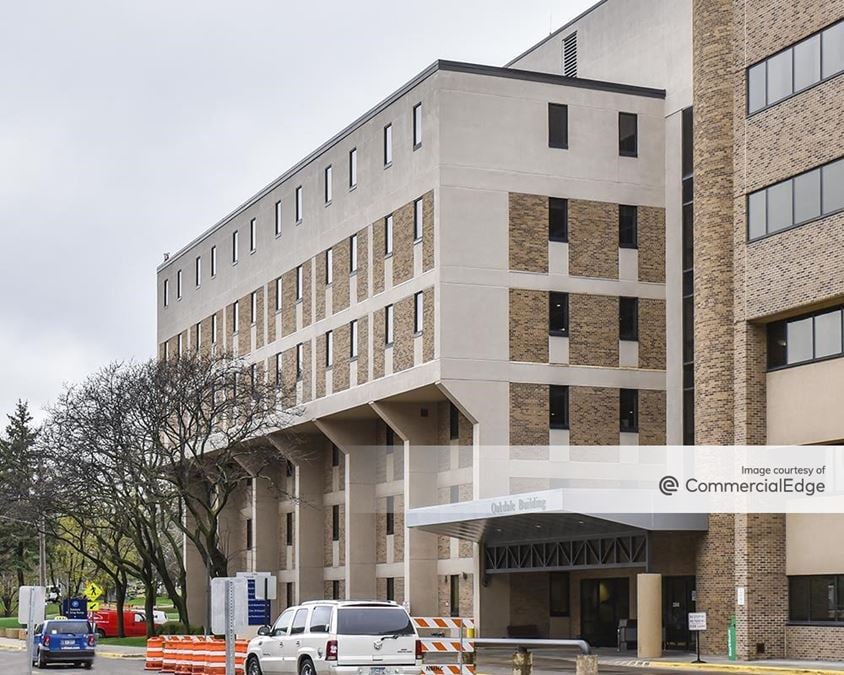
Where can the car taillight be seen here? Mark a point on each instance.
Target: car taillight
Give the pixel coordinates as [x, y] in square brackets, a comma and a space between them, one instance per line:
[92, 639]
[46, 641]
[419, 650]
[331, 650]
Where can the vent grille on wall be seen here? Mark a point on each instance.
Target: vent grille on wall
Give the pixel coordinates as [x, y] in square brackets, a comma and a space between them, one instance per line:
[570, 55]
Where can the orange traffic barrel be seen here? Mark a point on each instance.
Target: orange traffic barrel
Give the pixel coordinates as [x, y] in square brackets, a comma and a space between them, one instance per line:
[215, 657]
[185, 661]
[155, 653]
[240, 656]
[200, 655]
[168, 661]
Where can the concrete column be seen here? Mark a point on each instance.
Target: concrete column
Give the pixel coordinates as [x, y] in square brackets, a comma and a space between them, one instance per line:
[309, 525]
[419, 434]
[649, 615]
[197, 580]
[232, 527]
[265, 526]
[356, 439]
[492, 604]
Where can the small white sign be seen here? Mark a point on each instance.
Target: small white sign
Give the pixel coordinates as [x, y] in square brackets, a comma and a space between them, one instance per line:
[740, 595]
[230, 593]
[697, 621]
[34, 597]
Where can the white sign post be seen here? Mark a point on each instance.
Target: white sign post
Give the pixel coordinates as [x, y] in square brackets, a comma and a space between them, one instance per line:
[229, 612]
[697, 623]
[31, 602]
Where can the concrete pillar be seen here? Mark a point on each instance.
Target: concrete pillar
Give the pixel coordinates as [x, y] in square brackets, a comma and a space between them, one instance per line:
[356, 439]
[309, 525]
[266, 529]
[416, 424]
[232, 527]
[649, 615]
[196, 581]
[492, 604]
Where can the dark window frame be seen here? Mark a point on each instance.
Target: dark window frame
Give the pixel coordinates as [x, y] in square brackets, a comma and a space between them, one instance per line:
[558, 126]
[389, 511]
[628, 333]
[558, 317]
[453, 422]
[563, 609]
[622, 140]
[624, 229]
[559, 230]
[783, 323]
[559, 393]
[623, 405]
[335, 522]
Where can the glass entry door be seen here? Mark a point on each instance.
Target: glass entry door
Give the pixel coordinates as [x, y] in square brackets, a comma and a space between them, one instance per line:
[603, 602]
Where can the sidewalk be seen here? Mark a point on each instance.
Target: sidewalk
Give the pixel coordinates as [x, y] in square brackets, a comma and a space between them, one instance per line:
[106, 651]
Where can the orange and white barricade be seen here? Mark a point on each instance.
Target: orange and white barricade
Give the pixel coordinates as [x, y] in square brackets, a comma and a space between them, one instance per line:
[215, 657]
[201, 653]
[155, 653]
[459, 643]
[168, 661]
[240, 647]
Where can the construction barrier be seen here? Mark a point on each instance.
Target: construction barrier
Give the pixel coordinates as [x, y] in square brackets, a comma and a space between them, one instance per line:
[440, 645]
[240, 647]
[168, 664]
[442, 622]
[216, 657]
[460, 643]
[199, 663]
[155, 654]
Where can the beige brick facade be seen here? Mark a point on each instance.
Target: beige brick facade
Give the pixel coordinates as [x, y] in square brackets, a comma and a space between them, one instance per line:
[593, 330]
[528, 414]
[593, 239]
[652, 334]
[651, 235]
[528, 325]
[528, 238]
[594, 417]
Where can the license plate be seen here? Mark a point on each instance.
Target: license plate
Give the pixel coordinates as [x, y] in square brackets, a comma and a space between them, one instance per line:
[377, 670]
[69, 644]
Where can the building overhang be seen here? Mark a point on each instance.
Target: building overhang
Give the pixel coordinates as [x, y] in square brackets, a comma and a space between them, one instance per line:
[540, 516]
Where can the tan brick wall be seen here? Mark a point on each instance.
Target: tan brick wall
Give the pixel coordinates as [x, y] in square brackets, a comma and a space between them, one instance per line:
[715, 582]
[378, 255]
[307, 290]
[593, 416]
[429, 336]
[378, 343]
[288, 302]
[340, 286]
[593, 239]
[651, 417]
[319, 384]
[651, 223]
[363, 264]
[271, 311]
[593, 330]
[363, 353]
[466, 595]
[403, 332]
[328, 542]
[319, 286]
[307, 376]
[328, 588]
[428, 234]
[652, 333]
[816, 643]
[528, 241]
[288, 376]
[261, 318]
[340, 376]
[528, 325]
[529, 414]
[403, 243]
[398, 537]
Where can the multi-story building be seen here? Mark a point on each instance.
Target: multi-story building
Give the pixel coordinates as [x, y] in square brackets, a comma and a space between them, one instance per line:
[626, 236]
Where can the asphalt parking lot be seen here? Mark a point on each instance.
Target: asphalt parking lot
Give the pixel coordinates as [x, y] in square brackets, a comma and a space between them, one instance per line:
[14, 663]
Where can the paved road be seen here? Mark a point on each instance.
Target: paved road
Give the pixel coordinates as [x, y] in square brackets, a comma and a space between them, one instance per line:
[14, 663]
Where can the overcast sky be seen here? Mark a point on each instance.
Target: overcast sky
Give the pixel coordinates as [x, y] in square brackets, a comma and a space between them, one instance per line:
[128, 127]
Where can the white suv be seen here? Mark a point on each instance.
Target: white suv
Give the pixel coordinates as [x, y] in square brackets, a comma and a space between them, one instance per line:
[337, 637]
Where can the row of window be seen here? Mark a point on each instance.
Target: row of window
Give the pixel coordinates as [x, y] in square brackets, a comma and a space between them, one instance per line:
[328, 181]
[558, 223]
[806, 338]
[795, 201]
[558, 316]
[817, 58]
[558, 130]
[817, 598]
[628, 408]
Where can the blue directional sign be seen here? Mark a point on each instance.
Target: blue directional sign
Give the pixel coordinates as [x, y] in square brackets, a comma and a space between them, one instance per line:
[75, 608]
[259, 610]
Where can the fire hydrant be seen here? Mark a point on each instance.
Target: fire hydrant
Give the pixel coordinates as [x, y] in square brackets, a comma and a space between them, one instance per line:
[522, 661]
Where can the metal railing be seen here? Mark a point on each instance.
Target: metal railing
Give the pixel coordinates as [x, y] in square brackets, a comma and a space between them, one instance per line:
[533, 643]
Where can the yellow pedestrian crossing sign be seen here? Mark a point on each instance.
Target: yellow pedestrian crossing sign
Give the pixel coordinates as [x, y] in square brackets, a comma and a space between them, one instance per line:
[92, 592]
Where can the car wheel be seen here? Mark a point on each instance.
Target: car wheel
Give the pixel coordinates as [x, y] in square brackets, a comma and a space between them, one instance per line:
[253, 667]
[42, 662]
[307, 667]
[100, 633]
[89, 665]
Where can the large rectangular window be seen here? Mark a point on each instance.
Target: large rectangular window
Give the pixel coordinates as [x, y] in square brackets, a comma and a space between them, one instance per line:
[628, 318]
[388, 325]
[558, 219]
[558, 314]
[796, 68]
[328, 178]
[299, 204]
[558, 406]
[417, 126]
[418, 212]
[816, 599]
[388, 235]
[628, 408]
[558, 126]
[353, 168]
[628, 134]
[806, 338]
[628, 226]
[388, 145]
[813, 194]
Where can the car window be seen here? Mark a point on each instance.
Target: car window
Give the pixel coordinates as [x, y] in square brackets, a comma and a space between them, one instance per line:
[39, 628]
[299, 622]
[320, 618]
[70, 627]
[283, 622]
[373, 621]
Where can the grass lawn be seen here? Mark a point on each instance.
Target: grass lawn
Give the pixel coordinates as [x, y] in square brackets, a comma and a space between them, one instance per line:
[125, 642]
[9, 622]
[161, 602]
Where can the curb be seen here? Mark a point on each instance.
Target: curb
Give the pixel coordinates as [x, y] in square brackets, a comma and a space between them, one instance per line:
[724, 667]
[105, 655]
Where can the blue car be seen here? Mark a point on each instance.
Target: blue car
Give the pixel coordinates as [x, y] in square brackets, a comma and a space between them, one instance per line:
[64, 641]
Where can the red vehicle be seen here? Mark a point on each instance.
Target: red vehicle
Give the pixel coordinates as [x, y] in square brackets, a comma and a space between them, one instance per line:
[105, 620]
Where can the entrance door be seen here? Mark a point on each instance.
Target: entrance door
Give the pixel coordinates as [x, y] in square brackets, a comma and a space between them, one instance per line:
[677, 602]
[602, 603]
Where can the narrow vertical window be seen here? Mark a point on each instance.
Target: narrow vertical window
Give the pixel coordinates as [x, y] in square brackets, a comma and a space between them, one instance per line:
[391, 589]
[454, 595]
[353, 339]
[335, 590]
[329, 266]
[198, 270]
[388, 145]
[299, 204]
[166, 292]
[235, 316]
[335, 522]
[628, 226]
[328, 178]
[628, 134]
[213, 261]
[628, 404]
[253, 374]
[278, 377]
[329, 349]
[558, 406]
[388, 235]
[417, 126]
[289, 529]
[558, 219]
[558, 126]
[179, 285]
[235, 246]
[253, 307]
[335, 455]
[253, 235]
[181, 345]
[278, 218]
[418, 312]
[353, 253]
[166, 350]
[353, 168]
[198, 336]
[278, 294]
[628, 318]
[388, 325]
[213, 329]
[391, 515]
[418, 214]
[248, 534]
[558, 314]
[299, 282]
[453, 422]
[300, 360]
